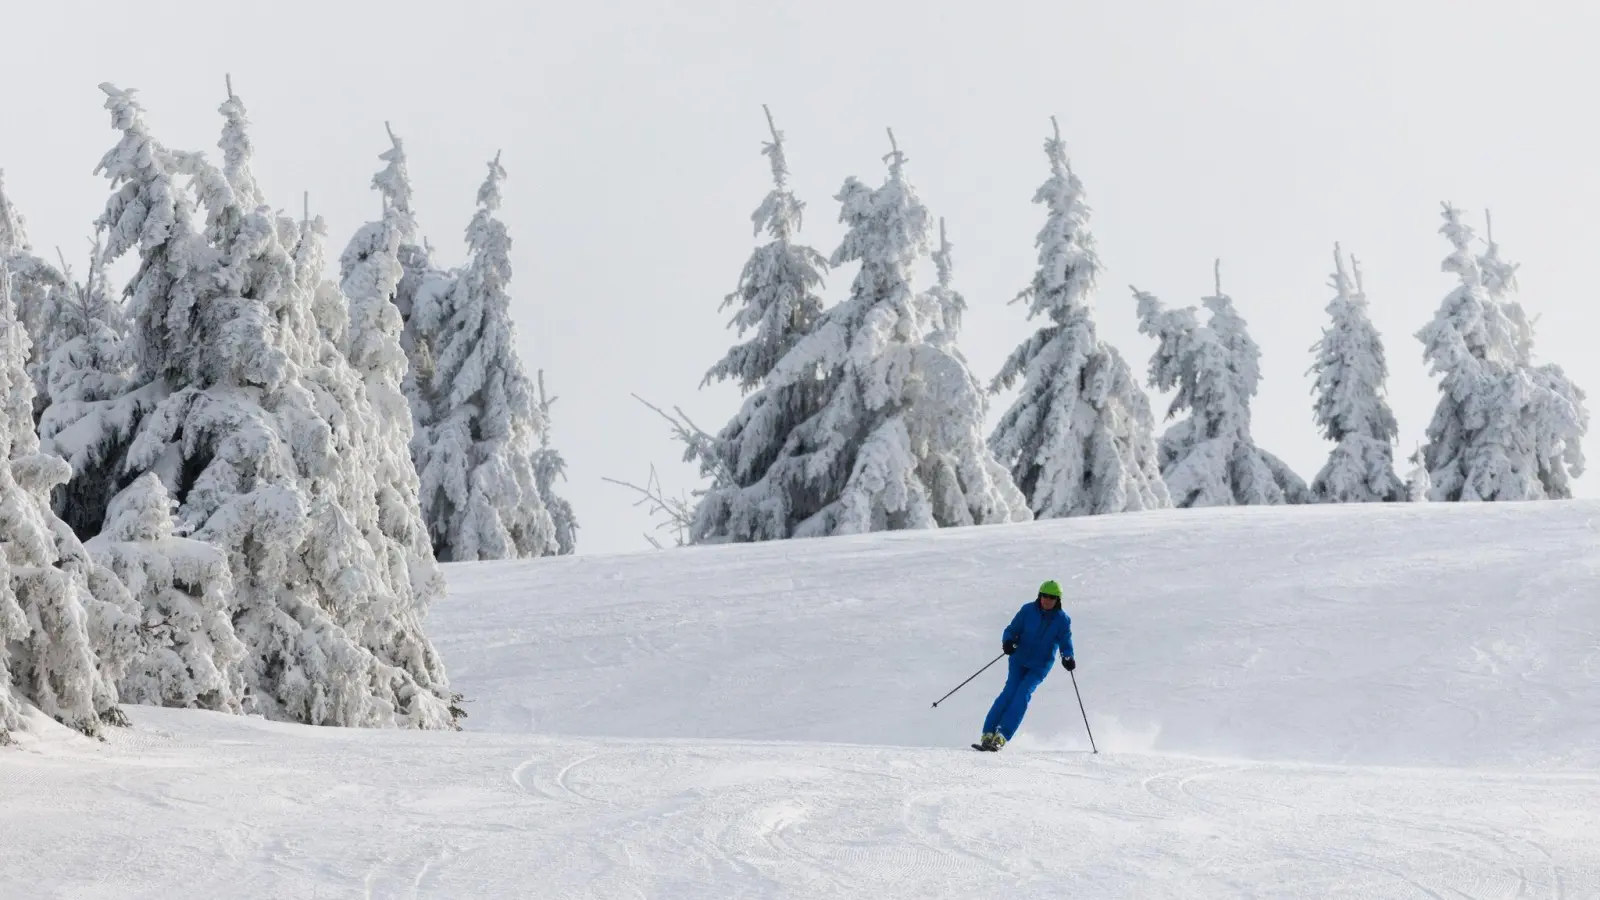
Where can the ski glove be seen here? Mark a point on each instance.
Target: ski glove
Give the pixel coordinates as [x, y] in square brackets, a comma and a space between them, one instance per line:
[1009, 647]
[1068, 663]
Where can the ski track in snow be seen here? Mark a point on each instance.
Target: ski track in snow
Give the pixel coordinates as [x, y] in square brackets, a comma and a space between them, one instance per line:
[434, 815]
[1316, 703]
[405, 815]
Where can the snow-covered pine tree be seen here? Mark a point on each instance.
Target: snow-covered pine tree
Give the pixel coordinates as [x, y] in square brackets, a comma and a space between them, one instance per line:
[1079, 440]
[192, 657]
[1417, 482]
[1350, 371]
[370, 272]
[479, 422]
[942, 305]
[38, 291]
[1559, 416]
[89, 305]
[237, 151]
[260, 465]
[1505, 428]
[754, 497]
[548, 467]
[66, 623]
[365, 515]
[13, 227]
[952, 403]
[1210, 458]
[86, 420]
[778, 294]
[896, 440]
[102, 385]
[351, 514]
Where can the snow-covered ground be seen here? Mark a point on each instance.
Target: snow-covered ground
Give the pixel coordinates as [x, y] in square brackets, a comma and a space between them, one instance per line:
[1319, 702]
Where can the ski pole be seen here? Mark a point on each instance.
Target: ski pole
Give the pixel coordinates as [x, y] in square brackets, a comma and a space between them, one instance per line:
[964, 683]
[1080, 709]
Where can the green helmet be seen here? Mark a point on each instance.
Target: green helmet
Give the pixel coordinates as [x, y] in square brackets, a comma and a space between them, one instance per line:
[1050, 589]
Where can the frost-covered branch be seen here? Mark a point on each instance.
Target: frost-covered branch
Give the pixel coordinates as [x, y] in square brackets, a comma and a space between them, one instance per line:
[699, 445]
[677, 513]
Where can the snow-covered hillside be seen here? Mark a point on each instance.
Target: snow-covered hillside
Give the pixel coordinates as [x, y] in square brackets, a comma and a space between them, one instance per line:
[1407, 634]
[1317, 702]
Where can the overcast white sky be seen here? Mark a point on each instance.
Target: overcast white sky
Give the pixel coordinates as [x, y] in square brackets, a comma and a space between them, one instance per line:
[1259, 132]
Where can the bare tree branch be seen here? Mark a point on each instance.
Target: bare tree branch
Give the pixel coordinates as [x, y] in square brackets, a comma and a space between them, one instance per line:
[677, 513]
[700, 446]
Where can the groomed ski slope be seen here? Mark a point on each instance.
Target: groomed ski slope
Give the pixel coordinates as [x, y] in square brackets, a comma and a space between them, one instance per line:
[1319, 702]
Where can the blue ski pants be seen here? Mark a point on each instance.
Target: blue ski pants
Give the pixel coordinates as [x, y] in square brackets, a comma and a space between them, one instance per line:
[1006, 713]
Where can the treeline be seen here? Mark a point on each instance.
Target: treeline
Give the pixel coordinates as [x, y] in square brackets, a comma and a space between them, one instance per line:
[864, 416]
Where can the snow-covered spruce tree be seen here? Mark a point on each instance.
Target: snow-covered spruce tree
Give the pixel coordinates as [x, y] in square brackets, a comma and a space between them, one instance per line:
[13, 227]
[66, 624]
[88, 415]
[351, 512]
[1417, 482]
[1079, 440]
[777, 297]
[478, 421]
[896, 440]
[549, 466]
[1504, 429]
[953, 461]
[943, 305]
[191, 657]
[38, 291]
[1210, 458]
[370, 273]
[365, 516]
[1559, 415]
[88, 307]
[1350, 371]
[260, 464]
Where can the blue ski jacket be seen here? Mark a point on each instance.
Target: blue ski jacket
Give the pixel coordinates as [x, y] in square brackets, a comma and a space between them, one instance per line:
[1038, 635]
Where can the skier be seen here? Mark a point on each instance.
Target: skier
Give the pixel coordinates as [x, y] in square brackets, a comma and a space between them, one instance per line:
[1031, 640]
